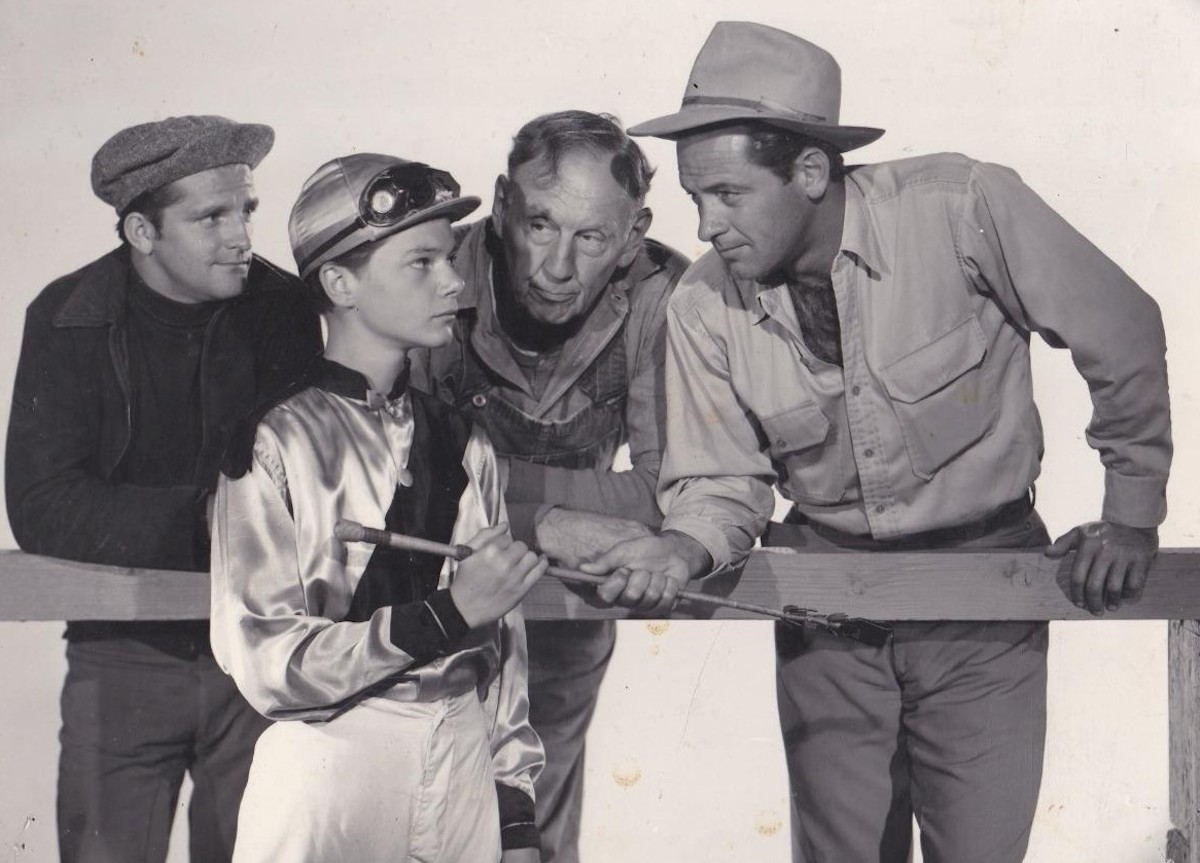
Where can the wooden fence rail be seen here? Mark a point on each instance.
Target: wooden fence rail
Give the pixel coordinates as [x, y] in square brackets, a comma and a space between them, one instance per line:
[990, 585]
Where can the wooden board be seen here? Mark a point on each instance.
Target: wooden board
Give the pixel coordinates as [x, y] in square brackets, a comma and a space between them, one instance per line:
[995, 585]
[1183, 672]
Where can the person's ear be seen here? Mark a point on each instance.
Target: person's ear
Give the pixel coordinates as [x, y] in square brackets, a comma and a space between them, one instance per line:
[641, 224]
[811, 169]
[340, 285]
[140, 232]
[500, 202]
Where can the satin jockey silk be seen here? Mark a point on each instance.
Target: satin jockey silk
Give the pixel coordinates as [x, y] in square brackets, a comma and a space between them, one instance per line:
[382, 701]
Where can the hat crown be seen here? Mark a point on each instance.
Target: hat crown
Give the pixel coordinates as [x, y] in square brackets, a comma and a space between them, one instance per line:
[751, 72]
[326, 220]
[329, 199]
[747, 64]
[151, 155]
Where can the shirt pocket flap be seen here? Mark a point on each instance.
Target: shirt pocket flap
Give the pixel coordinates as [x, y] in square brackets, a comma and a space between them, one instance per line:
[797, 428]
[927, 369]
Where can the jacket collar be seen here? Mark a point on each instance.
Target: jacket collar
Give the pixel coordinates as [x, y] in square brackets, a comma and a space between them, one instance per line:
[99, 297]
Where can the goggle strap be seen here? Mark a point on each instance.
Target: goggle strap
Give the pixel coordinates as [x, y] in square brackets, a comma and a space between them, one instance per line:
[357, 225]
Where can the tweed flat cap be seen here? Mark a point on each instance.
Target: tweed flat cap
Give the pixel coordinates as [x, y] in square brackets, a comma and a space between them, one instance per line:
[151, 155]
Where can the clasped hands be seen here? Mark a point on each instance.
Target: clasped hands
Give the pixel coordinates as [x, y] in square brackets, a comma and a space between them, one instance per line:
[646, 571]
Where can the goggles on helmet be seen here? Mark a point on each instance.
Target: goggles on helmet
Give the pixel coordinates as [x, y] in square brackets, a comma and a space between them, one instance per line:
[391, 197]
[402, 190]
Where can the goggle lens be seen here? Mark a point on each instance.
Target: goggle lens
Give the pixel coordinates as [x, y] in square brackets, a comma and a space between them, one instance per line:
[395, 193]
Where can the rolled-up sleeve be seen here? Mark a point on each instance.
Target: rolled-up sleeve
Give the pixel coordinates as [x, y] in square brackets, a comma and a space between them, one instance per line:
[1051, 280]
[716, 479]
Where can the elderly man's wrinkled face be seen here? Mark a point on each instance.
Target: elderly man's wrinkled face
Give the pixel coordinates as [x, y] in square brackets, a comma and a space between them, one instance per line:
[565, 233]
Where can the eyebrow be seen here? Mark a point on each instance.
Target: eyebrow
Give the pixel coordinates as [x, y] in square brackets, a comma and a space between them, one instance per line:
[589, 228]
[722, 184]
[428, 250]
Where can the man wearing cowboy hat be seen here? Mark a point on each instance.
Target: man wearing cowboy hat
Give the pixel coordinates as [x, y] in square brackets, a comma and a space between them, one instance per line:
[858, 339]
[133, 372]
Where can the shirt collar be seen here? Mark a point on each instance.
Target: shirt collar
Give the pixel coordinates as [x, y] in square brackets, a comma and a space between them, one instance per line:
[859, 240]
[336, 378]
[859, 237]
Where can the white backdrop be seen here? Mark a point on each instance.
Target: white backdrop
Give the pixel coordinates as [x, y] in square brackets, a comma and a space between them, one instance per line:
[1094, 104]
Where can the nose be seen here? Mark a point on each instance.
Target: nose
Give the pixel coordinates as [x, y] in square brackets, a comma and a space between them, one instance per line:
[239, 233]
[452, 282]
[711, 225]
[558, 264]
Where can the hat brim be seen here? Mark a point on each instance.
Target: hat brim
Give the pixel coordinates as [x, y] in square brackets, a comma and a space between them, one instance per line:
[691, 119]
[454, 209]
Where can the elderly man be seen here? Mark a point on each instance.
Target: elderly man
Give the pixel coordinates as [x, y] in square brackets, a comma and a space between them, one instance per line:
[558, 353]
[859, 339]
[133, 372]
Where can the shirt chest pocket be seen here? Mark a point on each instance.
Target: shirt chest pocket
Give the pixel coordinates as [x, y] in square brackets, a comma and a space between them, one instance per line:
[806, 453]
[941, 396]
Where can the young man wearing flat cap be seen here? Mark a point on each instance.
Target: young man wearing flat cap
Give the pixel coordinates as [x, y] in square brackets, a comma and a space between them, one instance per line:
[858, 338]
[132, 374]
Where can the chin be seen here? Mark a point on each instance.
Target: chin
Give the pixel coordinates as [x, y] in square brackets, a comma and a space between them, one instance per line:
[437, 336]
[228, 289]
[553, 316]
[742, 269]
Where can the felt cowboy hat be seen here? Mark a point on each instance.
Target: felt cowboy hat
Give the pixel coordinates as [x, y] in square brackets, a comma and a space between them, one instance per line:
[749, 71]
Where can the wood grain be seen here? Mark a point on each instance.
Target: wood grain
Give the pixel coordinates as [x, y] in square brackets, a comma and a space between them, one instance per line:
[1183, 674]
[994, 585]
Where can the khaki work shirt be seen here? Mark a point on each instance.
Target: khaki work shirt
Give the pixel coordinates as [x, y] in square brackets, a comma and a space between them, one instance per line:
[946, 266]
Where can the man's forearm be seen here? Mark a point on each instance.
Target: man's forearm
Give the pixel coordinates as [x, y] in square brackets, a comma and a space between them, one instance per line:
[625, 494]
[120, 525]
[692, 552]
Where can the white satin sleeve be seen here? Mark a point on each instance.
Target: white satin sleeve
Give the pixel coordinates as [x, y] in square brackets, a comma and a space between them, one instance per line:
[517, 754]
[287, 658]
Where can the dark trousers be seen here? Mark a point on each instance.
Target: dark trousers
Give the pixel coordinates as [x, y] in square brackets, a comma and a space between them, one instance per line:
[567, 661]
[135, 719]
[947, 722]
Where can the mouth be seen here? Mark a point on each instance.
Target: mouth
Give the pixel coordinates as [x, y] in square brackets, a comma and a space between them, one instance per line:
[551, 297]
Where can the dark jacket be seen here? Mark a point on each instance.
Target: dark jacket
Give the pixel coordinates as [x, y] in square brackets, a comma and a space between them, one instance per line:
[72, 414]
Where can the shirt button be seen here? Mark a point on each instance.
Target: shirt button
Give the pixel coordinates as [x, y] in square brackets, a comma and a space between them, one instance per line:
[869, 453]
[479, 400]
[855, 390]
[781, 443]
[880, 509]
